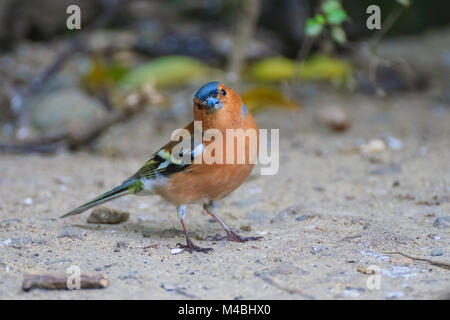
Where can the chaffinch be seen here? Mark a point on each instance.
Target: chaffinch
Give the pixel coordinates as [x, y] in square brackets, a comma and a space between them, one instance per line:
[181, 182]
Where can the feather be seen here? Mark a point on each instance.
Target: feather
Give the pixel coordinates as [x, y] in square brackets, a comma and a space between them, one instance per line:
[117, 192]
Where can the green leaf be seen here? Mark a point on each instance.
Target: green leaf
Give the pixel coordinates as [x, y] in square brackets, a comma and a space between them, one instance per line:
[338, 34]
[337, 16]
[168, 71]
[331, 6]
[314, 26]
[272, 70]
[325, 68]
[262, 97]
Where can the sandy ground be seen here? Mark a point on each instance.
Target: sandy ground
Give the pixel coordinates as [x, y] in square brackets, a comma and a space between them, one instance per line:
[328, 217]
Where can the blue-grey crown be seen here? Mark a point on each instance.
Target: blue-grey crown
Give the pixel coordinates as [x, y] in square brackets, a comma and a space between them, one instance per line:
[208, 90]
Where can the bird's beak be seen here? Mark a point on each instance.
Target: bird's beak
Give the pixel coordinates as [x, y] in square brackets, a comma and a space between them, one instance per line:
[213, 104]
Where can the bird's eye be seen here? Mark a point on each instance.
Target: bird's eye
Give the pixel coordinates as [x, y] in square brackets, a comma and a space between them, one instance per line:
[224, 93]
[199, 106]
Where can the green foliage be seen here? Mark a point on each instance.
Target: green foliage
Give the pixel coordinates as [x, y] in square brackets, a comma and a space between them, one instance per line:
[166, 72]
[261, 97]
[338, 34]
[331, 14]
[102, 74]
[314, 26]
[272, 70]
[317, 67]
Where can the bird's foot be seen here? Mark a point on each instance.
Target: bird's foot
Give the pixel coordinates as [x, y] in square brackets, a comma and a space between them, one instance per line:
[231, 236]
[192, 247]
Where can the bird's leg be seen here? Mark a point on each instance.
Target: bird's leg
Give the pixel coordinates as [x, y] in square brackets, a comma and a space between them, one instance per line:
[189, 244]
[208, 207]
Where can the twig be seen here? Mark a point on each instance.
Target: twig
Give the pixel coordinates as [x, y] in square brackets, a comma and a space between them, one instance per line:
[440, 264]
[73, 139]
[243, 36]
[28, 148]
[49, 281]
[387, 25]
[271, 282]
[75, 45]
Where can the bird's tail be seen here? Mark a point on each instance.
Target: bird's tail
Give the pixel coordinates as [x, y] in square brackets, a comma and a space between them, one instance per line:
[119, 191]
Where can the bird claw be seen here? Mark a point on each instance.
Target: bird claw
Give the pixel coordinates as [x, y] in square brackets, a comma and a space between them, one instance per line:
[192, 247]
[231, 236]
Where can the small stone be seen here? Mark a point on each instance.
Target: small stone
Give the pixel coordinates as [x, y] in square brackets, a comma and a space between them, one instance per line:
[334, 118]
[246, 228]
[176, 250]
[386, 170]
[70, 233]
[104, 215]
[316, 249]
[64, 108]
[129, 275]
[121, 245]
[301, 218]
[442, 222]
[104, 267]
[7, 222]
[436, 252]
[16, 241]
[172, 286]
[373, 146]
[394, 295]
[394, 144]
[147, 233]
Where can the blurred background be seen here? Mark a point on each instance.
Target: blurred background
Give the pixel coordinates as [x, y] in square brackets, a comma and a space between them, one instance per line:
[63, 89]
[364, 119]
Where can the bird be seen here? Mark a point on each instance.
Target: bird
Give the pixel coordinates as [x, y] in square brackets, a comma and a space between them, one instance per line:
[215, 107]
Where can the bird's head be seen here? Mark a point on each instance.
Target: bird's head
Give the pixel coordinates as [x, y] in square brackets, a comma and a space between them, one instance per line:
[215, 98]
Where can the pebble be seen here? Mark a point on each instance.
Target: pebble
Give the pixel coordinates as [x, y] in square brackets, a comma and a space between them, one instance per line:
[176, 250]
[104, 267]
[373, 146]
[301, 218]
[129, 275]
[334, 118]
[385, 170]
[394, 144]
[436, 252]
[442, 222]
[7, 222]
[172, 286]
[71, 233]
[16, 241]
[104, 215]
[394, 295]
[63, 260]
[316, 249]
[352, 292]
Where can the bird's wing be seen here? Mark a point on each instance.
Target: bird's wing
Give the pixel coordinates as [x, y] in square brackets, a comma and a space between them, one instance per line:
[163, 163]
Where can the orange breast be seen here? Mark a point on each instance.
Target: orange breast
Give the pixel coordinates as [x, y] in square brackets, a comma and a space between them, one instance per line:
[201, 182]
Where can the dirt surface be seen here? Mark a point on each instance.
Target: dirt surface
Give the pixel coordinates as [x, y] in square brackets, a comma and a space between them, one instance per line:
[328, 217]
